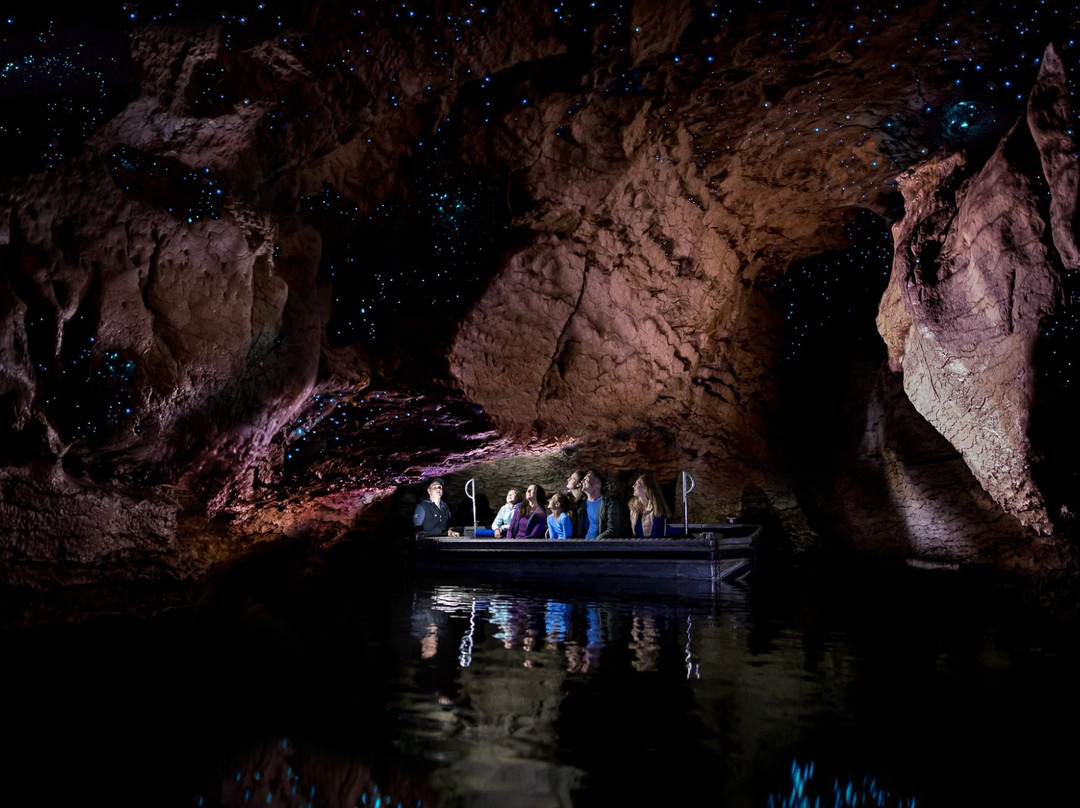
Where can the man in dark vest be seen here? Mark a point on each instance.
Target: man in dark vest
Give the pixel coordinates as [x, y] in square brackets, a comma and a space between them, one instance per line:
[432, 516]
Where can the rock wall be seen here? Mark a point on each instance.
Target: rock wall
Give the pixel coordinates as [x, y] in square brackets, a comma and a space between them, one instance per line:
[978, 271]
[315, 256]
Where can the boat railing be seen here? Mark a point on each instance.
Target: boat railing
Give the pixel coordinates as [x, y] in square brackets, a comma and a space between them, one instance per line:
[692, 530]
[688, 529]
[687, 486]
[470, 492]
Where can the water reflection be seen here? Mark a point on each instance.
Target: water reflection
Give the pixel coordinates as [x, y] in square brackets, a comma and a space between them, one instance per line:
[515, 680]
[693, 669]
[834, 792]
[643, 642]
[461, 696]
[282, 773]
[576, 632]
[582, 699]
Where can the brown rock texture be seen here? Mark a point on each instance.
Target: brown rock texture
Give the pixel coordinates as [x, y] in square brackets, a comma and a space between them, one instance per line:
[977, 272]
[309, 257]
[908, 494]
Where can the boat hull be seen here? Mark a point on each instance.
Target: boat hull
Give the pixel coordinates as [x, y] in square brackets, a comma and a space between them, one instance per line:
[720, 553]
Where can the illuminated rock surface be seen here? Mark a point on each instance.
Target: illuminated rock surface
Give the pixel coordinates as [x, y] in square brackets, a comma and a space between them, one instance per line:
[977, 275]
[301, 261]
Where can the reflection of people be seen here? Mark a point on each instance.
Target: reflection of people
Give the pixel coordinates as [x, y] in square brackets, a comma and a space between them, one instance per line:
[429, 643]
[649, 511]
[530, 519]
[432, 516]
[502, 619]
[599, 517]
[559, 525]
[502, 518]
[557, 621]
[595, 638]
[644, 643]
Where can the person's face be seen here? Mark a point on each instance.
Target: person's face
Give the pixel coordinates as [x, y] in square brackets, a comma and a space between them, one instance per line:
[573, 482]
[591, 485]
[640, 491]
[530, 493]
[511, 496]
[435, 491]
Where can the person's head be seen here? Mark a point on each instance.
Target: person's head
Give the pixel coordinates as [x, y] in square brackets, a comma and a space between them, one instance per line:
[435, 489]
[573, 482]
[647, 494]
[557, 504]
[535, 496]
[534, 500]
[593, 484]
[513, 496]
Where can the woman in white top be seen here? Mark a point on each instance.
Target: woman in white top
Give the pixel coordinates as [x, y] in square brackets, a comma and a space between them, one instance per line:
[502, 518]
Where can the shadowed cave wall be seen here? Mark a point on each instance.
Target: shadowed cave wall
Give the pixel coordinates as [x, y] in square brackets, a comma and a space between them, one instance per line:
[264, 270]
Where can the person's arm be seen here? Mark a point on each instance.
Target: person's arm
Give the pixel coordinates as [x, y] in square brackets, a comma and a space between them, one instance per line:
[502, 519]
[449, 532]
[566, 527]
[610, 520]
[418, 517]
[578, 522]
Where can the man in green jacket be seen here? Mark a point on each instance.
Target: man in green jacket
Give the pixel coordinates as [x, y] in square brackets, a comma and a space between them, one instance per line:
[599, 517]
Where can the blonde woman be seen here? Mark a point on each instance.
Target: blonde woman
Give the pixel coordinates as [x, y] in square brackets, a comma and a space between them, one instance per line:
[649, 511]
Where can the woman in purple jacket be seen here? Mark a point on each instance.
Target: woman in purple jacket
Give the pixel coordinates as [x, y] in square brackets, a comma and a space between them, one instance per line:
[530, 517]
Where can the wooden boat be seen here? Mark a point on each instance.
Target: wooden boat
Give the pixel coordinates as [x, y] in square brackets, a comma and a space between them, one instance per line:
[706, 555]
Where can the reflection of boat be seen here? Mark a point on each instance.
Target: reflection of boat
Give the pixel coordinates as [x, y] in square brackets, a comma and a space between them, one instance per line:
[706, 554]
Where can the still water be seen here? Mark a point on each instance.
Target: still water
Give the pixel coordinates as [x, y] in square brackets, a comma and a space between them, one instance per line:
[324, 682]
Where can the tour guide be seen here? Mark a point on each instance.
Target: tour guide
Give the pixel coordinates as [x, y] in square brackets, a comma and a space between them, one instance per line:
[432, 516]
[599, 517]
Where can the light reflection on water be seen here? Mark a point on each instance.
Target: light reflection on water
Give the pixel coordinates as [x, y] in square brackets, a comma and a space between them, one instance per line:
[579, 700]
[316, 685]
[594, 699]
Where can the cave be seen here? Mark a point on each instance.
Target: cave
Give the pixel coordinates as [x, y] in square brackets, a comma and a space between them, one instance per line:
[268, 268]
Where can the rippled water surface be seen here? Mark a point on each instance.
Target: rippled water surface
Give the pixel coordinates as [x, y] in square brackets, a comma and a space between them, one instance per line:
[325, 684]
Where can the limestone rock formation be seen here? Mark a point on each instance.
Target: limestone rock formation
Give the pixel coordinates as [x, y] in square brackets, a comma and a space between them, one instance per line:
[979, 259]
[301, 259]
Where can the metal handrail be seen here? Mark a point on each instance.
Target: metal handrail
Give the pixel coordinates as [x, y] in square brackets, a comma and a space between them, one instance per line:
[471, 494]
[686, 489]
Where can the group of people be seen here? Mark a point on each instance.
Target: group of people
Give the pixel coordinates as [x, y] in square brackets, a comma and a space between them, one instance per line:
[581, 511]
